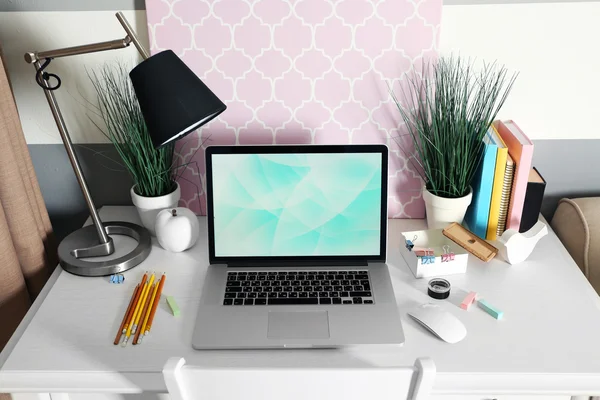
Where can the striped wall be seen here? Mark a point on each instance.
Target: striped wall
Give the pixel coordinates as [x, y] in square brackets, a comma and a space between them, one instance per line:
[22, 31]
[552, 43]
[34, 25]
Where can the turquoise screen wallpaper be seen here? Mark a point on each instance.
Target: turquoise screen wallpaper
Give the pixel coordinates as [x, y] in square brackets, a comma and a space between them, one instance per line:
[297, 204]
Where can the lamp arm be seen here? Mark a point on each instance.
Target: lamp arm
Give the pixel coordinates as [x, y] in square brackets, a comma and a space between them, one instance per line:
[105, 245]
[131, 34]
[95, 240]
[76, 50]
[131, 37]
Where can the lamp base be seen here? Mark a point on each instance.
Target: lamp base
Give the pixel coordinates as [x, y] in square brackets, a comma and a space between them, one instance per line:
[87, 237]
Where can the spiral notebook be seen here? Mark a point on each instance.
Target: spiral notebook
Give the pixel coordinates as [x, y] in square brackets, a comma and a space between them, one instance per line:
[520, 149]
[507, 184]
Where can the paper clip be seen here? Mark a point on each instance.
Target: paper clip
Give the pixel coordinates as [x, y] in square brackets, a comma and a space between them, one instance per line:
[428, 260]
[117, 278]
[411, 243]
[447, 256]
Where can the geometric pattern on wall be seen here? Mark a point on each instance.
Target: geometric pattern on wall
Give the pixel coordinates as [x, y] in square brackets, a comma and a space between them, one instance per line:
[300, 72]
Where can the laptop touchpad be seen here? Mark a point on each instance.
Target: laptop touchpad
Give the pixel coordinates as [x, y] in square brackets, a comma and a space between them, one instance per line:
[298, 325]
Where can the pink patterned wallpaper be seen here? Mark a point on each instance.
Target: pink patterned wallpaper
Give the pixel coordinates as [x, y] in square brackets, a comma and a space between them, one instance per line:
[300, 71]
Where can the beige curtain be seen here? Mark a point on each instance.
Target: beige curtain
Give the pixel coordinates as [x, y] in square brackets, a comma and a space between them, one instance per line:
[27, 248]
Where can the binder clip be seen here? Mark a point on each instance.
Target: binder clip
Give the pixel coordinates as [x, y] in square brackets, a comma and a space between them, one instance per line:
[117, 278]
[411, 243]
[420, 252]
[428, 260]
[447, 256]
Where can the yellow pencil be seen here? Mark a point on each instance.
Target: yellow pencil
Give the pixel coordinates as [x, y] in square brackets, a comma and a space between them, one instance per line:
[152, 300]
[146, 308]
[138, 309]
[139, 316]
[154, 306]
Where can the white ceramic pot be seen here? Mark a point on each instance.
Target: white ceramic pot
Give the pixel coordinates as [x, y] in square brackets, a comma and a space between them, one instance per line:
[149, 207]
[442, 211]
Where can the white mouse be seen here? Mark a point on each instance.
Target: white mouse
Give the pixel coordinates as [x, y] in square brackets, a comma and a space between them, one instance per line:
[441, 323]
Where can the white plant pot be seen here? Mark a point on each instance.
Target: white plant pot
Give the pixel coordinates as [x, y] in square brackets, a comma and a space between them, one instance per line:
[442, 211]
[149, 207]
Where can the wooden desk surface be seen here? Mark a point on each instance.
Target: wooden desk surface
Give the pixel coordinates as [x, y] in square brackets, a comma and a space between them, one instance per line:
[547, 343]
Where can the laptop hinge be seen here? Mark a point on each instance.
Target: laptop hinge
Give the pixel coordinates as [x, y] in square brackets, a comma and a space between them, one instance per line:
[287, 264]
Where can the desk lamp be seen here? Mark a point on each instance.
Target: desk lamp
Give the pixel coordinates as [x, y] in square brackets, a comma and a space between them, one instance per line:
[173, 101]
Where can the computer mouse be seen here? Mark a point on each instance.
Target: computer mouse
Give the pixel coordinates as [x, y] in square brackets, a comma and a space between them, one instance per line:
[441, 323]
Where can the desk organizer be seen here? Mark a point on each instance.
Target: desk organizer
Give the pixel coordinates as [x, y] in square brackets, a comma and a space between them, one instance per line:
[437, 264]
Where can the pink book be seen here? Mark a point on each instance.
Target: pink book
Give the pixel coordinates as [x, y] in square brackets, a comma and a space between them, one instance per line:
[520, 149]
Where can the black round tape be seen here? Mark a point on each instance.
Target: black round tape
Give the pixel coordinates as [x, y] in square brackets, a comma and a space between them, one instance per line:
[438, 289]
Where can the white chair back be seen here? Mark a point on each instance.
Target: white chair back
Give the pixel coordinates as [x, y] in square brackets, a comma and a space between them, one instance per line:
[186, 382]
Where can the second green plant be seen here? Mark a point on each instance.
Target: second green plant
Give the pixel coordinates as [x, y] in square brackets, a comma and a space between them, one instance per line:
[447, 110]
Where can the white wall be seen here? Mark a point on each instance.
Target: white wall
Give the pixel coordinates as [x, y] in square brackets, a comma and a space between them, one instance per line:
[556, 49]
[22, 32]
[554, 46]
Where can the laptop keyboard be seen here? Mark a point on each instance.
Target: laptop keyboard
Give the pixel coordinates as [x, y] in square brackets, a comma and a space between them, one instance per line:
[297, 288]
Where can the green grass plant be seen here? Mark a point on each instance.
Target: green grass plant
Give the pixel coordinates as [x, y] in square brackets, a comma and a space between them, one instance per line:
[151, 169]
[447, 110]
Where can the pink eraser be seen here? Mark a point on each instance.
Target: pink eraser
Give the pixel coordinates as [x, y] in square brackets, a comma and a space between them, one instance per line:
[470, 299]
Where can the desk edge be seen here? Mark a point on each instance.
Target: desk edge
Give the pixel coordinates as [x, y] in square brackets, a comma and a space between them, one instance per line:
[18, 333]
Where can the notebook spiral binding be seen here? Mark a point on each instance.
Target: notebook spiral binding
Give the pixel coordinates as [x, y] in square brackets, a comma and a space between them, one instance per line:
[505, 197]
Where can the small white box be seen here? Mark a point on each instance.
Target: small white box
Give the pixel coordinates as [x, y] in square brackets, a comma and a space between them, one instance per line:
[435, 240]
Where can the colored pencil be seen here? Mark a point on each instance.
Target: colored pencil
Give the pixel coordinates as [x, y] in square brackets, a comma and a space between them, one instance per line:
[136, 321]
[136, 311]
[146, 315]
[121, 331]
[155, 304]
[145, 311]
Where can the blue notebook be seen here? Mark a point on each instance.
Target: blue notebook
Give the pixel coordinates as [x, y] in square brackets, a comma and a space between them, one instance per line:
[478, 213]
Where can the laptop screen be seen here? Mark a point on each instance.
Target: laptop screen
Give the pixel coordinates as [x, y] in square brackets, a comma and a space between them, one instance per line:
[297, 204]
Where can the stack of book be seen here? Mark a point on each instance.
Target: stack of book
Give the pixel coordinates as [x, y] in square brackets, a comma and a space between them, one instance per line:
[507, 191]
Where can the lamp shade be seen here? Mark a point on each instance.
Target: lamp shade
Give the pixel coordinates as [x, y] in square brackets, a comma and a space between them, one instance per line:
[173, 100]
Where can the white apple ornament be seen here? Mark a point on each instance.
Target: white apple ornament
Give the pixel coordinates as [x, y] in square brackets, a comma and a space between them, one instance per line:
[177, 229]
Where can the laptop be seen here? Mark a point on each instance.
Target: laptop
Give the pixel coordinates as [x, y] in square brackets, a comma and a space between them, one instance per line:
[297, 248]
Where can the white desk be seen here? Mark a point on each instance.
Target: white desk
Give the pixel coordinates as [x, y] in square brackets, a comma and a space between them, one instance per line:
[547, 344]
